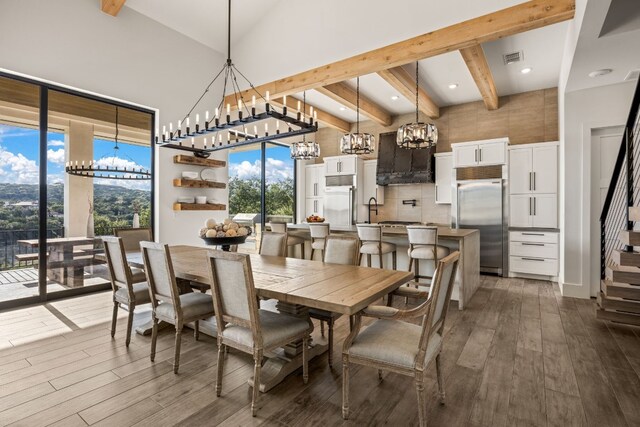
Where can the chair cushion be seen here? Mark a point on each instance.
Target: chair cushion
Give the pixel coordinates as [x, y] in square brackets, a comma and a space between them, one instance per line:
[140, 293]
[393, 342]
[294, 240]
[371, 248]
[138, 275]
[426, 252]
[276, 328]
[194, 305]
[318, 244]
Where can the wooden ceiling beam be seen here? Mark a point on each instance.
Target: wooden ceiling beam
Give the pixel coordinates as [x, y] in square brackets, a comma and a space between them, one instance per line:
[323, 117]
[347, 96]
[405, 84]
[112, 7]
[503, 23]
[479, 68]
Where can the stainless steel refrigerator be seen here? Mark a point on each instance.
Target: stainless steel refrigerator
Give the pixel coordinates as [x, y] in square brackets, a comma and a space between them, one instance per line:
[338, 205]
[481, 204]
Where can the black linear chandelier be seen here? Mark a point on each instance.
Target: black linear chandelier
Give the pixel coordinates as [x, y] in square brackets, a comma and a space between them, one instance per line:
[238, 133]
[94, 170]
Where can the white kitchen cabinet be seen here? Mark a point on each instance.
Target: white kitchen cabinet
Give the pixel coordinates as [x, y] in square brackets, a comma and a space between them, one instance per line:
[545, 211]
[370, 186]
[533, 253]
[533, 169]
[444, 170]
[314, 207]
[340, 165]
[314, 180]
[539, 210]
[479, 153]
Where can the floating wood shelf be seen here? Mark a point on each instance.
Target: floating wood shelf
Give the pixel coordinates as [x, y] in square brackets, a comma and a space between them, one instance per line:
[196, 183]
[198, 207]
[197, 161]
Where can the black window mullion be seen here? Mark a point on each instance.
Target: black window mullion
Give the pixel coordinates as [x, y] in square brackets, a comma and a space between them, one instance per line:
[42, 194]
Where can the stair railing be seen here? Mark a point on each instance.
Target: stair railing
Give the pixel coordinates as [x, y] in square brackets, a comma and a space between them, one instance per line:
[624, 189]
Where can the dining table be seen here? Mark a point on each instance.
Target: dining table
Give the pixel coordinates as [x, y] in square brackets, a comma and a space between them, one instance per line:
[67, 257]
[296, 285]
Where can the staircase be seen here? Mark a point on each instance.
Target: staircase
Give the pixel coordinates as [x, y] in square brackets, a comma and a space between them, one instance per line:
[619, 296]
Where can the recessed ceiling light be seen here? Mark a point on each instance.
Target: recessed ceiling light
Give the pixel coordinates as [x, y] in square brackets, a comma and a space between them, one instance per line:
[395, 97]
[526, 70]
[453, 85]
[343, 108]
[601, 72]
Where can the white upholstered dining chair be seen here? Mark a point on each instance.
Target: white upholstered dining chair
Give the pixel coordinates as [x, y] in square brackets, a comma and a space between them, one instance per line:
[168, 304]
[131, 237]
[242, 325]
[129, 285]
[281, 227]
[405, 348]
[337, 250]
[273, 244]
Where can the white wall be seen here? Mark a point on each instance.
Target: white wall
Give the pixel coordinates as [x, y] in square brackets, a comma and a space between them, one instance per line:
[583, 111]
[131, 58]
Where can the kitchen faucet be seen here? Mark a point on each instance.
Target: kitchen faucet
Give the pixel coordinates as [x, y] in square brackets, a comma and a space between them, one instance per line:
[369, 204]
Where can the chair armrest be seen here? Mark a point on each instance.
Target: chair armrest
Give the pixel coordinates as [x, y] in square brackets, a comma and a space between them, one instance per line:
[380, 312]
[408, 291]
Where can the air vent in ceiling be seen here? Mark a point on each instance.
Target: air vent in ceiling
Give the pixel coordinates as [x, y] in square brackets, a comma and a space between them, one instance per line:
[510, 58]
[632, 75]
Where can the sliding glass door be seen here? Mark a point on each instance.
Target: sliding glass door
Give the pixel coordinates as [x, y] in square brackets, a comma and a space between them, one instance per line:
[51, 221]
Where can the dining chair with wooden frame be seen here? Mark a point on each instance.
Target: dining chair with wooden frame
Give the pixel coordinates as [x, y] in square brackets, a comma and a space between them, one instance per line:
[245, 327]
[129, 285]
[168, 304]
[273, 244]
[391, 344]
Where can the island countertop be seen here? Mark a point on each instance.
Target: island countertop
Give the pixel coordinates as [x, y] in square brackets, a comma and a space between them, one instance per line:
[467, 241]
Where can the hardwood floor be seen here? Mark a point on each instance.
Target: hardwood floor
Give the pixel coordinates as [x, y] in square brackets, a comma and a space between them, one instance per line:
[518, 355]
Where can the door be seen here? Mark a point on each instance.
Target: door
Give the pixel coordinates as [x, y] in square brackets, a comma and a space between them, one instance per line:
[545, 170]
[347, 165]
[480, 207]
[520, 165]
[331, 165]
[545, 210]
[444, 166]
[465, 156]
[605, 144]
[492, 153]
[520, 209]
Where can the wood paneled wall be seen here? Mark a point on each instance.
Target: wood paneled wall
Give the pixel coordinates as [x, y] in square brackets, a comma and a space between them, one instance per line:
[525, 118]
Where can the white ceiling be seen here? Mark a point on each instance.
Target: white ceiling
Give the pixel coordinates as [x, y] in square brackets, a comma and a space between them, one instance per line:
[616, 50]
[328, 38]
[206, 20]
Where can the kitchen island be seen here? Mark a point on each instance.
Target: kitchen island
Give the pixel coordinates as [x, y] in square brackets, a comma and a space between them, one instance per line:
[467, 241]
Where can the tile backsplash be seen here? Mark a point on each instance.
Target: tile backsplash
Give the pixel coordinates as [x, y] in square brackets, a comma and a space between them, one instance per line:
[425, 210]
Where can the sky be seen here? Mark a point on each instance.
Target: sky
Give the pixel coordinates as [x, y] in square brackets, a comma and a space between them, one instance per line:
[19, 161]
[246, 164]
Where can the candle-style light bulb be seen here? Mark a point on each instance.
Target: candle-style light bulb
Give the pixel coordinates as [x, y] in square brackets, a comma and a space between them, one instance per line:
[197, 118]
[193, 142]
[206, 116]
[220, 139]
[179, 124]
[171, 127]
[266, 128]
[267, 96]
[311, 111]
[228, 109]
[187, 121]
[217, 112]
[284, 100]
[255, 130]
[253, 101]
[299, 106]
[164, 130]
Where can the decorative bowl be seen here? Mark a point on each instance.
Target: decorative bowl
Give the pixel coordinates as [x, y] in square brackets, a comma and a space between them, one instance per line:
[224, 241]
[315, 219]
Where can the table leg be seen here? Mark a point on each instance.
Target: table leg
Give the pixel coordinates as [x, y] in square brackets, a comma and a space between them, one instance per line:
[287, 360]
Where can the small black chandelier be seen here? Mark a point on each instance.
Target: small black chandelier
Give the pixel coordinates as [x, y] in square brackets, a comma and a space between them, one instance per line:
[357, 143]
[238, 133]
[93, 170]
[418, 134]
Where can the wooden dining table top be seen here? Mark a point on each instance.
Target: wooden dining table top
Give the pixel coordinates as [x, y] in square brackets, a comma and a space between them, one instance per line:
[59, 241]
[344, 289]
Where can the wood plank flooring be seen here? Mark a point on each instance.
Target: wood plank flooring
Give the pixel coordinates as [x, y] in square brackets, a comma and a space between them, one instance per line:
[518, 355]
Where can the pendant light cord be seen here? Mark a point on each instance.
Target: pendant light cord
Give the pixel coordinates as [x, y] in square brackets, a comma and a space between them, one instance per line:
[417, 89]
[358, 104]
[229, 36]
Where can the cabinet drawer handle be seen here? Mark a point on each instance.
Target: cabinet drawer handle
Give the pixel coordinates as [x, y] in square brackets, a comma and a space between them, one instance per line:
[532, 259]
[533, 234]
[534, 181]
[532, 244]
